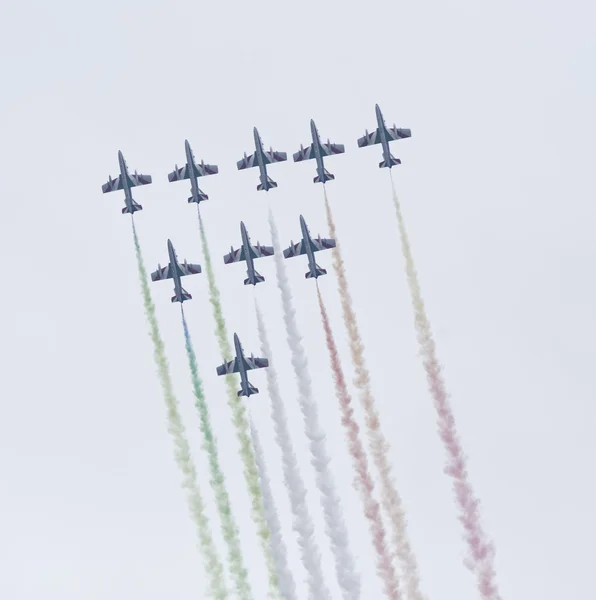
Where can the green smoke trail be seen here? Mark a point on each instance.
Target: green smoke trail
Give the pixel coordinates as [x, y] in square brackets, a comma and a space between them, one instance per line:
[213, 566]
[240, 421]
[222, 500]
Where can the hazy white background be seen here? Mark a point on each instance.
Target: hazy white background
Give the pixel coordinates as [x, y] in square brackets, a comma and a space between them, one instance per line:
[497, 189]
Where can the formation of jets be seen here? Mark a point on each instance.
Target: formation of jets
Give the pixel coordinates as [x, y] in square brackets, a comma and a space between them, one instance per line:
[247, 252]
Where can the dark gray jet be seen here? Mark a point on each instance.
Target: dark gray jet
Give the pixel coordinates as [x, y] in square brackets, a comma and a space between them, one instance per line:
[261, 159]
[248, 252]
[241, 365]
[318, 150]
[175, 271]
[125, 181]
[382, 135]
[309, 246]
[193, 171]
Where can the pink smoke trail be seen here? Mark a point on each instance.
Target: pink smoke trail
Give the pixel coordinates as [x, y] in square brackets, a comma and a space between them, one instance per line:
[363, 480]
[390, 498]
[481, 550]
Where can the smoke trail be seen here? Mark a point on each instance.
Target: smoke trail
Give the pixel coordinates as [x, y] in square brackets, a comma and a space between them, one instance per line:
[390, 498]
[239, 419]
[302, 521]
[278, 546]
[335, 526]
[363, 481]
[213, 566]
[222, 500]
[481, 550]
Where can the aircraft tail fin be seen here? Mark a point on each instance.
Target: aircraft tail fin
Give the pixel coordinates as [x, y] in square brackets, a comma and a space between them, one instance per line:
[267, 185]
[325, 177]
[185, 296]
[251, 390]
[318, 272]
[201, 198]
[391, 163]
[135, 207]
[258, 278]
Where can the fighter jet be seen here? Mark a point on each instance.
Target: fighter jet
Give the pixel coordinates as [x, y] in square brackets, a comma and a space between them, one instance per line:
[241, 365]
[318, 150]
[260, 159]
[125, 181]
[175, 271]
[192, 171]
[383, 136]
[309, 246]
[248, 252]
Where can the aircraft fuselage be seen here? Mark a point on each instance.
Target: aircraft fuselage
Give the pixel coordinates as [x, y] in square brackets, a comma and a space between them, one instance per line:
[316, 141]
[125, 180]
[190, 165]
[250, 265]
[260, 153]
[175, 272]
[307, 241]
[383, 134]
[241, 366]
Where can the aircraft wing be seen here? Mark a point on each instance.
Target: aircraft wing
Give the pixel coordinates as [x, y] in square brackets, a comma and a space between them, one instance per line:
[112, 185]
[235, 256]
[304, 154]
[369, 139]
[247, 162]
[228, 367]
[137, 179]
[189, 269]
[179, 174]
[161, 273]
[273, 156]
[395, 133]
[329, 149]
[255, 363]
[295, 250]
[260, 251]
[322, 244]
[203, 170]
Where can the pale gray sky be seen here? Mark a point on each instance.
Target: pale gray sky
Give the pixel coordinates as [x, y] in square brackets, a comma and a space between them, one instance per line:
[497, 191]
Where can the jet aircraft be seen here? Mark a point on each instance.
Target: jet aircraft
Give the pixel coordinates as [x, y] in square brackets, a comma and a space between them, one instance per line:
[383, 136]
[309, 246]
[318, 150]
[175, 271]
[261, 159]
[125, 181]
[241, 365]
[248, 252]
[192, 171]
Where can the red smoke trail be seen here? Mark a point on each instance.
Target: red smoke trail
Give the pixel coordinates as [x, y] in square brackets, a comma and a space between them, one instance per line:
[390, 498]
[364, 482]
[481, 550]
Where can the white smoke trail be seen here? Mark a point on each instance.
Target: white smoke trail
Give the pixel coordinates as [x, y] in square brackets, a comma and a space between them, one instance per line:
[279, 551]
[348, 578]
[302, 522]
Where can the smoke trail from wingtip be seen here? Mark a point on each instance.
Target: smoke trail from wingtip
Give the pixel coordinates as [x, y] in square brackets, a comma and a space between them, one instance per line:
[222, 500]
[481, 550]
[302, 522]
[239, 419]
[363, 480]
[348, 578]
[213, 567]
[390, 497]
[278, 546]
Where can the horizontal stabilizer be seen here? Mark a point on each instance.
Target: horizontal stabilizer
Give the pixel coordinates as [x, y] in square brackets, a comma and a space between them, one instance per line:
[318, 272]
[131, 210]
[201, 198]
[185, 296]
[267, 186]
[258, 278]
[326, 177]
[392, 162]
[251, 390]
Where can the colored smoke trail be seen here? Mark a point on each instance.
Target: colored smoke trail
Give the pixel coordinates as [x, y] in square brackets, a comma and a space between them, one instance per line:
[222, 500]
[390, 498]
[278, 547]
[239, 419]
[363, 481]
[302, 520]
[348, 578]
[213, 566]
[481, 550]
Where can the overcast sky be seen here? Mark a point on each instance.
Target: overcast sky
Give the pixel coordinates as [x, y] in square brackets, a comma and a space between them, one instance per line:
[498, 195]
